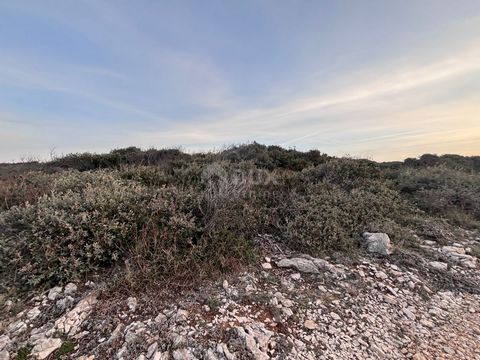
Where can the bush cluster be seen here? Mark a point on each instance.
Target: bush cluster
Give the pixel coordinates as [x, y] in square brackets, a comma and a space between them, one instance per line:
[164, 216]
[444, 192]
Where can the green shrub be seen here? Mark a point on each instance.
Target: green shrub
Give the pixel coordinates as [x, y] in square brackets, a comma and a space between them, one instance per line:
[327, 217]
[165, 216]
[86, 221]
[444, 192]
[23, 352]
[66, 348]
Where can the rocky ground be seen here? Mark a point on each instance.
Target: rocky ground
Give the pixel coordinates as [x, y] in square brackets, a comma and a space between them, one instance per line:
[421, 303]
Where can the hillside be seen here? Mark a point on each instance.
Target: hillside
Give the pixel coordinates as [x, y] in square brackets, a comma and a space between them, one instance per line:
[253, 252]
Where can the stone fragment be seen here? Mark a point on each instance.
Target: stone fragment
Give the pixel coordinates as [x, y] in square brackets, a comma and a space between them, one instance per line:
[132, 303]
[70, 322]
[438, 265]
[53, 293]
[70, 289]
[310, 324]
[17, 328]
[381, 275]
[256, 338]
[266, 266]
[453, 249]
[299, 264]
[45, 346]
[378, 243]
[33, 313]
[161, 355]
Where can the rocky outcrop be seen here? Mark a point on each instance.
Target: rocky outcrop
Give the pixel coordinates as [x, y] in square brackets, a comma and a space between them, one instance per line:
[296, 307]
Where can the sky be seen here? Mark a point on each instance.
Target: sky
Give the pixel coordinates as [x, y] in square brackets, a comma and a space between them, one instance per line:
[380, 79]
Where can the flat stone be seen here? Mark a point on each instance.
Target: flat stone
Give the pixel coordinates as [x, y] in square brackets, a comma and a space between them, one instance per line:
[437, 265]
[55, 292]
[4, 341]
[381, 275]
[267, 266]
[132, 303]
[70, 322]
[453, 249]
[310, 324]
[299, 264]
[33, 313]
[335, 316]
[45, 346]
[70, 289]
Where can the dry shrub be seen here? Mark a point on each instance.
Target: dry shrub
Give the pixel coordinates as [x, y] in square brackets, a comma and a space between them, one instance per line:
[177, 218]
[86, 221]
[19, 189]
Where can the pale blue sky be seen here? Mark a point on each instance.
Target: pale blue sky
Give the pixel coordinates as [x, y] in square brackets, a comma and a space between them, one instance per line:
[381, 79]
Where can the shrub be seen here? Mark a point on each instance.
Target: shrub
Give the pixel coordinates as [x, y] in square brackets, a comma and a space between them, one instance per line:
[173, 217]
[327, 217]
[444, 192]
[20, 189]
[86, 221]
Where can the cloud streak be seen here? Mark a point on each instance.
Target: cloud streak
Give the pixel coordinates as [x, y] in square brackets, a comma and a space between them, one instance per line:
[174, 75]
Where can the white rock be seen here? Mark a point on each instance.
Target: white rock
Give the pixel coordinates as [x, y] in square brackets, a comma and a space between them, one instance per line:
[17, 328]
[132, 303]
[378, 243]
[45, 346]
[160, 319]
[310, 324]
[4, 341]
[335, 316]
[70, 289]
[181, 315]
[33, 313]
[152, 349]
[256, 339]
[70, 322]
[210, 355]
[453, 249]
[266, 266]
[299, 264]
[161, 356]
[381, 275]
[181, 354]
[437, 265]
[296, 276]
[53, 293]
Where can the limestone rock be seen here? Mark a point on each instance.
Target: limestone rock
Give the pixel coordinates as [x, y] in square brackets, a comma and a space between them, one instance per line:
[310, 324]
[132, 303]
[70, 289]
[256, 338]
[45, 346]
[378, 243]
[300, 264]
[266, 266]
[70, 323]
[54, 293]
[437, 265]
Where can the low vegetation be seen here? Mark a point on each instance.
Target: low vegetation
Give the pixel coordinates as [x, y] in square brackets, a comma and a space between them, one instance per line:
[164, 216]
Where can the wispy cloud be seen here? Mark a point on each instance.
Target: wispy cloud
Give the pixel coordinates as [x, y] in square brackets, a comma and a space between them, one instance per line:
[368, 107]
[166, 75]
